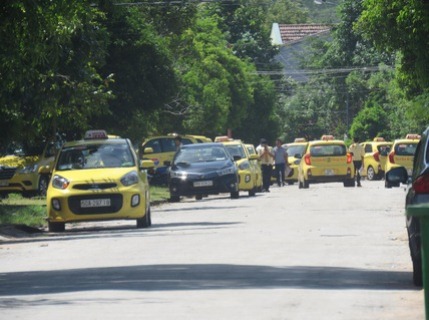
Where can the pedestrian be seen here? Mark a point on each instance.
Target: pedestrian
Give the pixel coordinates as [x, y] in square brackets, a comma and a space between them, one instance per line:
[178, 142]
[266, 157]
[358, 153]
[280, 162]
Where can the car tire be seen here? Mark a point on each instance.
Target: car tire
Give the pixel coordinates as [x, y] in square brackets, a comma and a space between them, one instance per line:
[174, 198]
[235, 195]
[417, 273]
[387, 184]
[43, 186]
[199, 197]
[370, 173]
[145, 221]
[56, 226]
[349, 183]
[252, 192]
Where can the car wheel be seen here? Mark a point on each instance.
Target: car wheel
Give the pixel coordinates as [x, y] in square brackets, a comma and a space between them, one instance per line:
[43, 186]
[56, 226]
[235, 195]
[252, 192]
[199, 197]
[144, 222]
[349, 183]
[417, 273]
[387, 184]
[174, 198]
[370, 173]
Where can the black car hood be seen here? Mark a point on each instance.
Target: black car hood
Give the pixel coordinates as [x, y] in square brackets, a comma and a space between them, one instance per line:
[200, 167]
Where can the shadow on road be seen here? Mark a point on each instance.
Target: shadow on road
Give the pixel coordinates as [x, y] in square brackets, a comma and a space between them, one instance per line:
[199, 277]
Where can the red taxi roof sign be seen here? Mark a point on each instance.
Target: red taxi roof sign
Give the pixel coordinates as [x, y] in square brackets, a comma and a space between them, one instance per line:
[327, 137]
[300, 140]
[96, 134]
[413, 136]
[379, 139]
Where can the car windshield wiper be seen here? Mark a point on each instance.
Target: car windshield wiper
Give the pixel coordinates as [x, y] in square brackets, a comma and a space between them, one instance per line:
[182, 163]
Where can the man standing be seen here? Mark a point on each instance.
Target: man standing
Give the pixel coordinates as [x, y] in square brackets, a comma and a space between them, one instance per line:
[358, 153]
[280, 162]
[266, 157]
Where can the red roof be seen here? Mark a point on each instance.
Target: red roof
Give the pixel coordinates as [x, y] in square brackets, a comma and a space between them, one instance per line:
[296, 32]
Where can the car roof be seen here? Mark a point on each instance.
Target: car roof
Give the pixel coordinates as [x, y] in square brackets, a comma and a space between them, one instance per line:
[116, 141]
[320, 142]
[202, 145]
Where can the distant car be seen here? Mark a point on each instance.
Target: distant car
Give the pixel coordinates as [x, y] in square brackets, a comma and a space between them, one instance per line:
[326, 160]
[295, 151]
[375, 158]
[202, 169]
[161, 150]
[98, 178]
[247, 172]
[402, 155]
[255, 163]
[28, 173]
[417, 193]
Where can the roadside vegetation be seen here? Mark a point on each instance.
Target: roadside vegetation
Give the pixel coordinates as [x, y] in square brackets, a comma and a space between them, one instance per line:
[17, 210]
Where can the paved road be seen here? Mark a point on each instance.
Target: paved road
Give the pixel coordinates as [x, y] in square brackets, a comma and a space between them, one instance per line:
[327, 252]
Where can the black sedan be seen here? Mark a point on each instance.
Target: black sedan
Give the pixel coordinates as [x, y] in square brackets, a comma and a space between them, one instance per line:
[202, 169]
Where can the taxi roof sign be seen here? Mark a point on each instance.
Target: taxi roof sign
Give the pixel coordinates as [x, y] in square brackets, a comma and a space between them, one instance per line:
[300, 140]
[379, 139]
[413, 136]
[327, 137]
[96, 134]
[222, 139]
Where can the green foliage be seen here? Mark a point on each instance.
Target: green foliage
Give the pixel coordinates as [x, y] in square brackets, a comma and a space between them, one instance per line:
[370, 122]
[400, 26]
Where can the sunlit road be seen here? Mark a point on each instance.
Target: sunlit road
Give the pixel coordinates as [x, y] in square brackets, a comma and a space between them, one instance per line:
[327, 252]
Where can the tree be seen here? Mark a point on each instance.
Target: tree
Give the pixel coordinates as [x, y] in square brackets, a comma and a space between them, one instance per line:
[400, 26]
[370, 122]
[48, 58]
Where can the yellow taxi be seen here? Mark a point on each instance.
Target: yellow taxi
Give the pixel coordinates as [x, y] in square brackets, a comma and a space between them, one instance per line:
[295, 151]
[326, 160]
[402, 154]
[252, 151]
[246, 172]
[161, 150]
[28, 175]
[98, 178]
[375, 157]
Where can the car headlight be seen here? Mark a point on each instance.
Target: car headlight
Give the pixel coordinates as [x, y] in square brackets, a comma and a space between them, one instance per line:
[130, 178]
[245, 165]
[226, 171]
[59, 182]
[29, 169]
[178, 174]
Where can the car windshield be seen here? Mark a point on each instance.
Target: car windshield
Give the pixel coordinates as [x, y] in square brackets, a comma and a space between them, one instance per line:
[405, 149]
[384, 149]
[293, 150]
[236, 150]
[92, 156]
[325, 150]
[202, 154]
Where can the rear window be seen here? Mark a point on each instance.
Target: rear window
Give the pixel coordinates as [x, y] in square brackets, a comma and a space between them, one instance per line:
[236, 150]
[294, 150]
[405, 149]
[383, 149]
[326, 150]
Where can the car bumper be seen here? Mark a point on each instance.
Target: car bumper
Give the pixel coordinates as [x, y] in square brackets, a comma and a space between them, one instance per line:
[223, 184]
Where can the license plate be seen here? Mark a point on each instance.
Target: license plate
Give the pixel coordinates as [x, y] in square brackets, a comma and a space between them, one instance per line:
[94, 203]
[4, 183]
[329, 172]
[207, 183]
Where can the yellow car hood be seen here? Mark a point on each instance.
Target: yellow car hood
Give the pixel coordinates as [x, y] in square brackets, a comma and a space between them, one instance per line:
[95, 175]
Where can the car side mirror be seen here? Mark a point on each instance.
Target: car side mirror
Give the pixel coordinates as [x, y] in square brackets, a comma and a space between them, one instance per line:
[253, 157]
[146, 164]
[397, 175]
[147, 150]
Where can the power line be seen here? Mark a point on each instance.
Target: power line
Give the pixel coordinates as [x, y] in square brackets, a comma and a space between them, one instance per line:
[322, 71]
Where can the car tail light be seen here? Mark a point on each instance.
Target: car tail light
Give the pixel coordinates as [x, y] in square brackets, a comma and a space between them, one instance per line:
[349, 158]
[421, 185]
[392, 157]
[307, 159]
[376, 156]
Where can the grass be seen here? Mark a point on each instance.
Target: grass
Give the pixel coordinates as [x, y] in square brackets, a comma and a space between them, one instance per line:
[31, 212]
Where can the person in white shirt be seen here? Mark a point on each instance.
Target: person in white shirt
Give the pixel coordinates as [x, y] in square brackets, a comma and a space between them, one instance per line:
[266, 159]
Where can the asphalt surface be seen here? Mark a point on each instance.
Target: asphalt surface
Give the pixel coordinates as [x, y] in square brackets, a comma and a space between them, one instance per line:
[326, 252]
